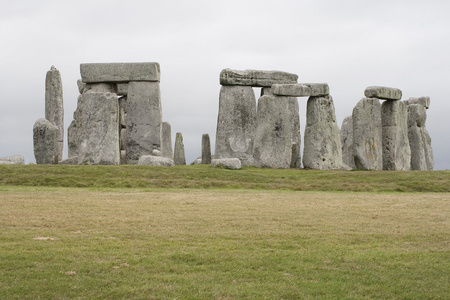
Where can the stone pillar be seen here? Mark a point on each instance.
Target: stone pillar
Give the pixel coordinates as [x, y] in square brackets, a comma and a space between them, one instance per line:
[72, 139]
[54, 107]
[179, 157]
[419, 139]
[166, 144]
[206, 149]
[45, 142]
[347, 142]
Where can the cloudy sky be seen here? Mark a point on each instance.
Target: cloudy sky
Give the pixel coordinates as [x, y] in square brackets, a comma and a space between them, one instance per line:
[349, 44]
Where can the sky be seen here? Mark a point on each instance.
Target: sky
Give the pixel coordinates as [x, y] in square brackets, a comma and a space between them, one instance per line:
[349, 44]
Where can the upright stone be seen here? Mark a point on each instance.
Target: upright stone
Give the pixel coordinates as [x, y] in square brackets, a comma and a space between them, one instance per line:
[347, 142]
[294, 121]
[206, 149]
[419, 139]
[144, 118]
[72, 139]
[179, 156]
[166, 143]
[396, 150]
[322, 142]
[54, 107]
[236, 123]
[45, 135]
[424, 101]
[99, 135]
[255, 78]
[367, 135]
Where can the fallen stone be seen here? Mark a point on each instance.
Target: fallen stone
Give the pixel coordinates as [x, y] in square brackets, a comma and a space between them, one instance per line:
[54, 106]
[150, 160]
[301, 89]
[45, 142]
[322, 142]
[266, 91]
[229, 163]
[424, 101]
[178, 154]
[419, 139]
[166, 142]
[347, 142]
[197, 161]
[367, 135]
[69, 161]
[81, 86]
[255, 78]
[381, 92]
[12, 160]
[206, 149]
[296, 160]
[120, 72]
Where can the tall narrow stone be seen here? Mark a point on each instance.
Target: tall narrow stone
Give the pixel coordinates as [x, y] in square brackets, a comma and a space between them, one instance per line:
[206, 149]
[54, 107]
[396, 150]
[367, 135]
[144, 118]
[322, 142]
[166, 143]
[419, 139]
[179, 156]
[45, 142]
[236, 123]
[347, 142]
[72, 139]
[294, 121]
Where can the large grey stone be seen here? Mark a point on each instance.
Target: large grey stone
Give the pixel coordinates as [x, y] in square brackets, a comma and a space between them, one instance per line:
[149, 160]
[45, 135]
[54, 106]
[144, 118]
[236, 123]
[12, 160]
[72, 139]
[69, 161]
[99, 88]
[273, 139]
[120, 72]
[166, 142]
[256, 78]
[347, 142]
[123, 113]
[301, 89]
[382, 92]
[322, 142]
[99, 136]
[206, 149]
[367, 135]
[419, 139]
[396, 149]
[229, 163]
[424, 101]
[294, 121]
[122, 89]
[179, 156]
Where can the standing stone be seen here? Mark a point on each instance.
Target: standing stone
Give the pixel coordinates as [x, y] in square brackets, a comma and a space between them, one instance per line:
[396, 150]
[123, 113]
[424, 101]
[256, 78]
[206, 149]
[45, 135]
[322, 149]
[419, 139]
[166, 143]
[144, 118]
[367, 135]
[178, 156]
[347, 142]
[72, 139]
[99, 136]
[296, 160]
[294, 121]
[54, 107]
[273, 138]
[236, 123]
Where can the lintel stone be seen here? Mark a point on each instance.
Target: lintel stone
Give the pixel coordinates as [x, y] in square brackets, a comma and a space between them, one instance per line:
[120, 72]
[256, 78]
[301, 89]
[382, 92]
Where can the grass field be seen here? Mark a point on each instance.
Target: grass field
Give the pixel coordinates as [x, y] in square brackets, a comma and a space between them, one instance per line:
[164, 233]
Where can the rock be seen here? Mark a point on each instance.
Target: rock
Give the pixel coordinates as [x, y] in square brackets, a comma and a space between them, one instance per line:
[144, 118]
[122, 89]
[255, 78]
[236, 123]
[120, 72]
[99, 136]
[54, 106]
[229, 163]
[301, 89]
[206, 149]
[322, 142]
[396, 150]
[123, 139]
[149, 160]
[179, 156]
[347, 143]
[273, 139]
[156, 153]
[70, 161]
[197, 161]
[166, 142]
[45, 135]
[72, 139]
[99, 88]
[12, 160]
[419, 139]
[367, 135]
[381, 92]
[346, 167]
[296, 160]
[81, 86]
[266, 91]
[424, 101]
[123, 113]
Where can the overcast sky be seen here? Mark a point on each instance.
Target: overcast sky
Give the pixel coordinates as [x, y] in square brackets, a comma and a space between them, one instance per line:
[348, 44]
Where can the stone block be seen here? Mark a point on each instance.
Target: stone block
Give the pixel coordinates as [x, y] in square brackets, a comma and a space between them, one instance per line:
[292, 90]
[122, 89]
[424, 101]
[347, 142]
[206, 149]
[120, 72]
[54, 106]
[166, 142]
[12, 160]
[382, 92]
[149, 160]
[255, 78]
[179, 156]
[419, 139]
[45, 135]
[69, 161]
[229, 163]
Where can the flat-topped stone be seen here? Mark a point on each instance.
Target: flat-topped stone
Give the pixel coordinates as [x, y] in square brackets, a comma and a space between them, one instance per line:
[301, 89]
[256, 78]
[229, 163]
[382, 92]
[424, 101]
[120, 72]
[149, 160]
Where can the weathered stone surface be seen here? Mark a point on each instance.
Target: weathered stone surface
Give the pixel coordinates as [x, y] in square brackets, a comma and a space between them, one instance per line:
[69, 161]
[12, 160]
[266, 91]
[120, 72]
[236, 123]
[229, 163]
[382, 92]
[322, 142]
[144, 118]
[367, 135]
[347, 142]
[296, 160]
[122, 89]
[123, 113]
[273, 139]
[419, 139]
[150, 160]
[99, 136]
[206, 149]
[318, 89]
[45, 135]
[99, 88]
[72, 139]
[123, 157]
[396, 150]
[54, 106]
[81, 86]
[179, 156]
[256, 78]
[424, 101]
[166, 143]
[123, 139]
[301, 89]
